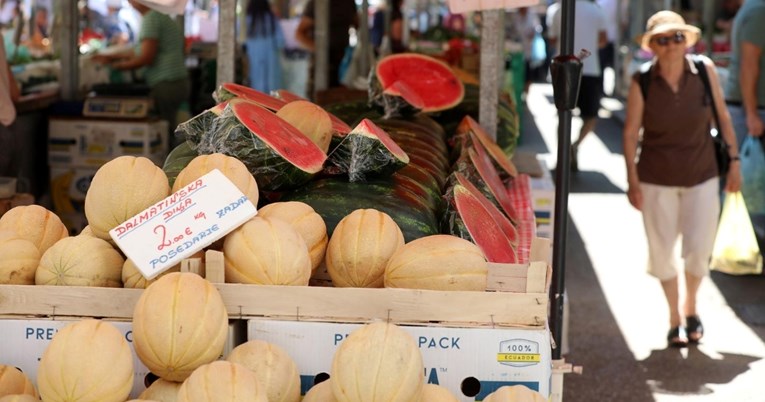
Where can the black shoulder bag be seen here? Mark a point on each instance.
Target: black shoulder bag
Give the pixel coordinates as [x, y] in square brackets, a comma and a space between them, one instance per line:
[721, 147]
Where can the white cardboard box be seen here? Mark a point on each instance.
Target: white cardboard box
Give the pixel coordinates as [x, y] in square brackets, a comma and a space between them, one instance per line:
[24, 341]
[478, 360]
[543, 203]
[83, 142]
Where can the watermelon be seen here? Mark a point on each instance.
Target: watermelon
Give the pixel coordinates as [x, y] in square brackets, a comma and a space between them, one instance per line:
[476, 224]
[178, 159]
[334, 199]
[230, 90]
[193, 128]
[365, 152]
[339, 127]
[469, 130]
[277, 154]
[483, 165]
[397, 100]
[425, 83]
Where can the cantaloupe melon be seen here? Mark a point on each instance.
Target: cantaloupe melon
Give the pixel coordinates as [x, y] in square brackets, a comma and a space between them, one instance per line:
[19, 259]
[515, 393]
[311, 120]
[161, 391]
[19, 398]
[179, 324]
[231, 167]
[86, 361]
[36, 224]
[321, 392]
[274, 368]
[222, 381]
[14, 382]
[306, 221]
[360, 247]
[120, 189]
[80, 261]
[438, 262]
[377, 362]
[266, 251]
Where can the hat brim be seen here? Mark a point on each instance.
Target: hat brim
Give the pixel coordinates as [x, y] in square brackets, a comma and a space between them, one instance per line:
[692, 34]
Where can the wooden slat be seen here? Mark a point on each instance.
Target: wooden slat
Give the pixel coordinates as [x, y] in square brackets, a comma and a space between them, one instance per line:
[297, 303]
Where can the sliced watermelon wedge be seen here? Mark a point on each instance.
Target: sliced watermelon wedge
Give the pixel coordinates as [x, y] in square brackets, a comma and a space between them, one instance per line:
[504, 224]
[286, 95]
[276, 153]
[366, 151]
[424, 82]
[229, 90]
[482, 229]
[480, 159]
[469, 127]
[195, 128]
[339, 128]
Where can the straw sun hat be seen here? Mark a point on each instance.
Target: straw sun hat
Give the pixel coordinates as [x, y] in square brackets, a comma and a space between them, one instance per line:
[668, 21]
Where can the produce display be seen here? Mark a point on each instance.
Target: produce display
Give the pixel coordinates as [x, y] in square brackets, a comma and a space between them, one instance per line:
[374, 198]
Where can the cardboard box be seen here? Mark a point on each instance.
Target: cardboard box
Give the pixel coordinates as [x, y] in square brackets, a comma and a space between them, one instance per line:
[476, 360]
[82, 142]
[24, 341]
[68, 187]
[543, 203]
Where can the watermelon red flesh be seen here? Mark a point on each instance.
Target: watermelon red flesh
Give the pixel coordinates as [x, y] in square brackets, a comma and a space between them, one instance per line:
[276, 153]
[504, 224]
[367, 151]
[469, 126]
[431, 79]
[484, 231]
[483, 164]
[229, 90]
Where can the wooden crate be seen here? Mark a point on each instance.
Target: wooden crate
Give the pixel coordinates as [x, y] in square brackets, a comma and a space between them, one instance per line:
[516, 297]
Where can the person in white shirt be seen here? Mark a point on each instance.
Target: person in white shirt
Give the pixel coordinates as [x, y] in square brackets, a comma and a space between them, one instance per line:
[589, 34]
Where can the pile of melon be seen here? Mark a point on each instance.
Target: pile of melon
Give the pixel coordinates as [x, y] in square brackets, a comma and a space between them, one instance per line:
[179, 330]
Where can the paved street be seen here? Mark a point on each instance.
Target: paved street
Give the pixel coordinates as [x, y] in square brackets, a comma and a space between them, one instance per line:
[617, 318]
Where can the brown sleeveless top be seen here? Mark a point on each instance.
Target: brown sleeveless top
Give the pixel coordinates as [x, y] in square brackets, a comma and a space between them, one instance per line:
[676, 148]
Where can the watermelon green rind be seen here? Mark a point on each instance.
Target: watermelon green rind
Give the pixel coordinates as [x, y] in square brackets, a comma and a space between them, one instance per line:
[482, 227]
[470, 127]
[276, 153]
[367, 151]
[177, 160]
[486, 170]
[193, 129]
[230, 90]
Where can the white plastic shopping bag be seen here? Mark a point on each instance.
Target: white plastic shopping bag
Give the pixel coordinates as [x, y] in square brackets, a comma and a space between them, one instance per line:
[736, 251]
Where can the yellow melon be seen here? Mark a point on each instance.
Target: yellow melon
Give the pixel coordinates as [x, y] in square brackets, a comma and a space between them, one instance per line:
[515, 393]
[120, 189]
[377, 362]
[276, 371]
[19, 259]
[437, 393]
[179, 324]
[14, 382]
[231, 167]
[360, 247]
[266, 251]
[86, 361]
[86, 231]
[306, 221]
[36, 224]
[161, 391]
[80, 261]
[222, 381]
[19, 398]
[311, 120]
[321, 392]
[438, 262]
[142, 400]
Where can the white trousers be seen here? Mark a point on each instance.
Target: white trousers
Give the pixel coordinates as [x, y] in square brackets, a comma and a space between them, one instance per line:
[689, 213]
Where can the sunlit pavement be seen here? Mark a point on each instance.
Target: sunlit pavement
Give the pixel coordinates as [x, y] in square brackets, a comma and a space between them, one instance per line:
[617, 317]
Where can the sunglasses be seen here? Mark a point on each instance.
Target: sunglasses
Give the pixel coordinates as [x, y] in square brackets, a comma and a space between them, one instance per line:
[678, 37]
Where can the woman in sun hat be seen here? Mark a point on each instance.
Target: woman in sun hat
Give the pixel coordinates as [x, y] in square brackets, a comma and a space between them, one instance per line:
[674, 181]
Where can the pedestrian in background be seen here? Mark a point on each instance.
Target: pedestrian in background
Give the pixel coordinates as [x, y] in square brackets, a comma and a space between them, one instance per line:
[589, 34]
[745, 93]
[674, 182]
[265, 41]
[9, 89]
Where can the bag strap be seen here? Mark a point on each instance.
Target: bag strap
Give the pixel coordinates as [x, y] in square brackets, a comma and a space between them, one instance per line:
[702, 68]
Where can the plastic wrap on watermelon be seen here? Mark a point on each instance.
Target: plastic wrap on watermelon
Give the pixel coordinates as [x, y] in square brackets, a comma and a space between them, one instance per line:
[178, 159]
[366, 152]
[334, 198]
[277, 154]
[194, 128]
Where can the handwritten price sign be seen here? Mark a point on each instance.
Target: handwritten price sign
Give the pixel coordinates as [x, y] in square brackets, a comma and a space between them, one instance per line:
[183, 223]
[461, 6]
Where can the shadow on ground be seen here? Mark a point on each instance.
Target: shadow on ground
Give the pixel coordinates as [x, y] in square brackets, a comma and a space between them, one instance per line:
[744, 294]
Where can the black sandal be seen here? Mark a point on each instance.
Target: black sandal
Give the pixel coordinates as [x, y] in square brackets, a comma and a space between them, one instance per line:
[694, 328]
[677, 337]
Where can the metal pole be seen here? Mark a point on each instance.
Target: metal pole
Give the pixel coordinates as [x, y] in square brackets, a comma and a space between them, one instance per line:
[70, 53]
[321, 42]
[560, 224]
[226, 70]
[491, 66]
